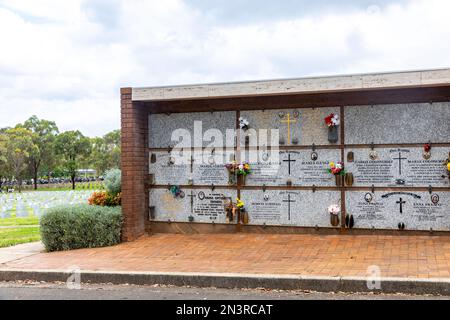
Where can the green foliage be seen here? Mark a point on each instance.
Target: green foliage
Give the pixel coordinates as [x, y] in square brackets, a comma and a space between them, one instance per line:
[19, 148]
[105, 152]
[81, 226]
[35, 150]
[3, 156]
[113, 181]
[44, 135]
[72, 146]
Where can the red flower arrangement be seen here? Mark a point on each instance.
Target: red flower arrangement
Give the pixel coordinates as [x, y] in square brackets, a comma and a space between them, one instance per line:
[332, 120]
[427, 147]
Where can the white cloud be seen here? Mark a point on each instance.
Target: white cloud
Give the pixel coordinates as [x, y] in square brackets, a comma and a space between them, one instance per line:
[66, 60]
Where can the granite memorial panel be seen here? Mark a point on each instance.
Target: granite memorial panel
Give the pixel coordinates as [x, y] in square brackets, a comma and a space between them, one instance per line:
[398, 167]
[299, 167]
[300, 208]
[170, 167]
[417, 210]
[194, 205]
[197, 129]
[399, 123]
[303, 126]
[209, 167]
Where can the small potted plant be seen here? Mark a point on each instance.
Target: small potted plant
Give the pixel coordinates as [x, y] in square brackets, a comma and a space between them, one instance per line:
[334, 212]
[338, 170]
[332, 121]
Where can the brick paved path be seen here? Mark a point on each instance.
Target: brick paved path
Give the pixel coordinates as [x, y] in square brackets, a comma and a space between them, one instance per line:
[407, 256]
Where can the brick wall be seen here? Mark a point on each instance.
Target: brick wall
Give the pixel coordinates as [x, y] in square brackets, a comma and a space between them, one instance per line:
[134, 158]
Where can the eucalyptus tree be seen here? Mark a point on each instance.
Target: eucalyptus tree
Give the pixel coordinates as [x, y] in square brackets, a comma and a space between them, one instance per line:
[72, 146]
[44, 136]
[3, 157]
[19, 147]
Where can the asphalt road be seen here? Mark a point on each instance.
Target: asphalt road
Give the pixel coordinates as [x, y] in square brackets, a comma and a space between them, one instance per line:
[54, 291]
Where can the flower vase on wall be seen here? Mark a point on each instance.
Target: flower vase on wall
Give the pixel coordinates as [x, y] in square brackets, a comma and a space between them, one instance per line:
[339, 180]
[231, 178]
[241, 179]
[333, 134]
[334, 219]
[244, 216]
[349, 179]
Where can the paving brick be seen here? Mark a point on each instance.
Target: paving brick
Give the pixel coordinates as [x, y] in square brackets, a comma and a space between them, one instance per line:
[310, 255]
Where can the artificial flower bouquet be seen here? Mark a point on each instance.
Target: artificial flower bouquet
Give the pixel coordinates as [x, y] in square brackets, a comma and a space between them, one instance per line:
[334, 209]
[243, 123]
[447, 165]
[240, 204]
[232, 208]
[334, 212]
[241, 169]
[332, 120]
[337, 169]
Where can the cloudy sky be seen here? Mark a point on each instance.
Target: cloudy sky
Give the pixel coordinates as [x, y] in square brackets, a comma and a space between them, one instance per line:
[66, 60]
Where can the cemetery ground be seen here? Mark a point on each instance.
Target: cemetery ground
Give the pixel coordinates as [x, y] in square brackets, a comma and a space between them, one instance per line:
[20, 212]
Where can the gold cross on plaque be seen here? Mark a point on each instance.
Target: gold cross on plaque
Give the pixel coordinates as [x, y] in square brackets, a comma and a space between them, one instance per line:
[289, 121]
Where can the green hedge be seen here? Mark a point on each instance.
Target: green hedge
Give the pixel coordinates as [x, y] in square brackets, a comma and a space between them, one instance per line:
[80, 226]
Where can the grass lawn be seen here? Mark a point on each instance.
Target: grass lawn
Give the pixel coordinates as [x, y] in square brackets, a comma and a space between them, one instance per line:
[13, 236]
[10, 222]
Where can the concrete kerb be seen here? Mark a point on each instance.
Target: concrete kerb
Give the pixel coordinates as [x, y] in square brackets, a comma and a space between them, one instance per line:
[439, 286]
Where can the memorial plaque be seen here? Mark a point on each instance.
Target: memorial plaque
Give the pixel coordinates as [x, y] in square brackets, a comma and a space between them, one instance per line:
[165, 172]
[399, 167]
[303, 126]
[210, 127]
[386, 210]
[209, 167]
[203, 205]
[400, 123]
[289, 208]
[298, 166]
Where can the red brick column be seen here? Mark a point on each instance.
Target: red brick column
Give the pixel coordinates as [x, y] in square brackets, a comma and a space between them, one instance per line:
[134, 162]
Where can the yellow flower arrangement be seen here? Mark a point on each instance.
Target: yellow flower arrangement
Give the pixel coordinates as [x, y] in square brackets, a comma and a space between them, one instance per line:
[239, 203]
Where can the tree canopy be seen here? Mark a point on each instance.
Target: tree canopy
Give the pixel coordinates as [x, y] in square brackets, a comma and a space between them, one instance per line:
[36, 149]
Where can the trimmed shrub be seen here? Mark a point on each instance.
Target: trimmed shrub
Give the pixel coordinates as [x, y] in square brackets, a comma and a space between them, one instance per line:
[113, 181]
[80, 226]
